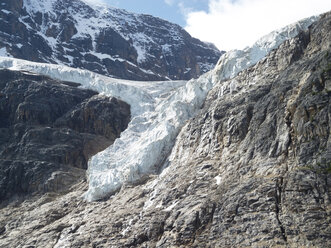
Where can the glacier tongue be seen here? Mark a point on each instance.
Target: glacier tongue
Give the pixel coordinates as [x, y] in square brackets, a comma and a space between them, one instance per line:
[147, 141]
[159, 110]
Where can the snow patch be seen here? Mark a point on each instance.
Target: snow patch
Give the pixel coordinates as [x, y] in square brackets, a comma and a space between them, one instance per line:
[25, 24]
[141, 53]
[168, 209]
[140, 41]
[187, 70]
[6, 11]
[4, 53]
[34, 6]
[70, 58]
[218, 180]
[101, 56]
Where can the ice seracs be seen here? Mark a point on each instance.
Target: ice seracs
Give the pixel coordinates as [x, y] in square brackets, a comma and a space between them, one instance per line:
[159, 110]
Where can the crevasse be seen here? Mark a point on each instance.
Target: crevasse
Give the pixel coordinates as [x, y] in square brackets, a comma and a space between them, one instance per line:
[159, 110]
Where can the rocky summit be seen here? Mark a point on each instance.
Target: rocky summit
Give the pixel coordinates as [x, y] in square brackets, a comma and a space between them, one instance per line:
[102, 39]
[251, 168]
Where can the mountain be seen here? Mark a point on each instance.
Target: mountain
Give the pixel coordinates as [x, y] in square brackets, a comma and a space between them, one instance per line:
[101, 39]
[239, 157]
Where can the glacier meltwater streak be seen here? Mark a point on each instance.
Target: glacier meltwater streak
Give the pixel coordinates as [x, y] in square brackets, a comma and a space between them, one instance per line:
[159, 110]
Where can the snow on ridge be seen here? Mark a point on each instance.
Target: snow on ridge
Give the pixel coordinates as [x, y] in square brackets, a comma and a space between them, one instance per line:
[233, 62]
[33, 6]
[159, 111]
[98, 4]
[88, 15]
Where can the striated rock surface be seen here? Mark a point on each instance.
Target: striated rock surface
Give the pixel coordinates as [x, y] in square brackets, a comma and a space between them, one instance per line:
[49, 130]
[252, 169]
[101, 39]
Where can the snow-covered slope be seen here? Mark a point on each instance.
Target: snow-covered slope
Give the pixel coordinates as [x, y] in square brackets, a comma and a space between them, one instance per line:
[231, 63]
[159, 110]
[102, 39]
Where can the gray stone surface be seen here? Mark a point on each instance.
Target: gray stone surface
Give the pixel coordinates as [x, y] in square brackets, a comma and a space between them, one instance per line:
[49, 130]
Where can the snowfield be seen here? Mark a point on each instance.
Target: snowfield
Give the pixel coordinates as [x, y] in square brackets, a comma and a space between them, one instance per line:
[159, 110]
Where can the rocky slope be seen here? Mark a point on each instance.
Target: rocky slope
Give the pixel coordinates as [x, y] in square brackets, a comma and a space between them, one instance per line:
[102, 39]
[49, 129]
[252, 169]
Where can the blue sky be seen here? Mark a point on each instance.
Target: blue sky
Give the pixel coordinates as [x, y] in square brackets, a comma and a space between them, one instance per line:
[171, 10]
[229, 24]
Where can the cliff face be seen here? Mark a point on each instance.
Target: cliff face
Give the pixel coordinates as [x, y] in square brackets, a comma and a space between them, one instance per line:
[252, 169]
[49, 130]
[108, 41]
[255, 164]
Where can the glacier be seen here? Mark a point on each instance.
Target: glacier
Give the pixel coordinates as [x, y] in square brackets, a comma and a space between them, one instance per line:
[159, 110]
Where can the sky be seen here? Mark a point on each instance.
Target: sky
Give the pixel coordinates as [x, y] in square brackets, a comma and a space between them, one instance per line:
[229, 24]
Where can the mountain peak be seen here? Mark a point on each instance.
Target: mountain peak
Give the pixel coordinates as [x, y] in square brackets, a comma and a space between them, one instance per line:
[103, 39]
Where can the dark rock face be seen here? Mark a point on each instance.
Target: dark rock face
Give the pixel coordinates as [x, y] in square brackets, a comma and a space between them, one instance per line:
[111, 42]
[251, 170]
[49, 130]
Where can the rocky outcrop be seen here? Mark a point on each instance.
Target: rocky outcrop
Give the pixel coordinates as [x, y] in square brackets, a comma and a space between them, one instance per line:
[108, 41]
[49, 130]
[251, 170]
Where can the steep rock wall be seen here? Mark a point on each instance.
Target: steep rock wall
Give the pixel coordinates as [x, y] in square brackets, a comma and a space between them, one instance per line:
[49, 130]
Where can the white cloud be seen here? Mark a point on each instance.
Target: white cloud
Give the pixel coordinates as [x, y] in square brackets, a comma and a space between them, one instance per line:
[235, 24]
[169, 2]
